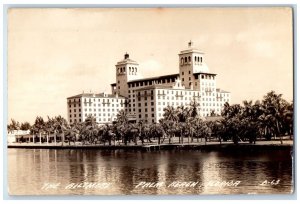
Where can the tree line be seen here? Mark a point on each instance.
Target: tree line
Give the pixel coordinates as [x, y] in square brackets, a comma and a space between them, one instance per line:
[271, 118]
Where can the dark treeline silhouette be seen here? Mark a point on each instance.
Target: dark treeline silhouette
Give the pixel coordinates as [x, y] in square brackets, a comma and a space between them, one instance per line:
[271, 118]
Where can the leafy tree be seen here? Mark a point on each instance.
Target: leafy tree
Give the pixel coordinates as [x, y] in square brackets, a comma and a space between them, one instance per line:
[25, 126]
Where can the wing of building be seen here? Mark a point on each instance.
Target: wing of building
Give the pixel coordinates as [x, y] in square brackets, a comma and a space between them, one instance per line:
[144, 99]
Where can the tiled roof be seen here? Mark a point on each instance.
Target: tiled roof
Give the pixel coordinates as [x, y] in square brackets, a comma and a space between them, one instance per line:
[125, 61]
[191, 50]
[204, 73]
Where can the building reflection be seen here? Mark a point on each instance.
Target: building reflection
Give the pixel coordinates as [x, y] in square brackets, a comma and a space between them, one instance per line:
[30, 169]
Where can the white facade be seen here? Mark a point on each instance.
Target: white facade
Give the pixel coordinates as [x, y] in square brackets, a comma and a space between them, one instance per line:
[145, 98]
[152, 100]
[103, 107]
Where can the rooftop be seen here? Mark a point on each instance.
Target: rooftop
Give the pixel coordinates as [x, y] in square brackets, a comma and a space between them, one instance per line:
[191, 49]
[204, 73]
[100, 95]
[221, 91]
[126, 60]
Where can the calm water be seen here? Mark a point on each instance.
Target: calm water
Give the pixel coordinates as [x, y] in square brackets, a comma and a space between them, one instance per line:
[36, 172]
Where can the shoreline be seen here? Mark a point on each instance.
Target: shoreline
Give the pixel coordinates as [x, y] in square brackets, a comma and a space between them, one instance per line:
[260, 145]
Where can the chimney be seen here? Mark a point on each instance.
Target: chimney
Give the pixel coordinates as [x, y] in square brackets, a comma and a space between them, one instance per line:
[126, 56]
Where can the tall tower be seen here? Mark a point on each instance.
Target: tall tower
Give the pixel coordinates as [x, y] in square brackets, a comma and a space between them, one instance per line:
[191, 61]
[126, 70]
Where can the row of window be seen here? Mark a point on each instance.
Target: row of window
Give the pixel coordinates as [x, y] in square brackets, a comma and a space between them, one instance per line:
[146, 83]
[183, 73]
[146, 98]
[103, 100]
[79, 115]
[190, 93]
[222, 95]
[79, 105]
[130, 69]
[146, 115]
[208, 89]
[103, 104]
[146, 110]
[75, 110]
[208, 93]
[99, 114]
[183, 79]
[108, 110]
[206, 76]
[75, 120]
[185, 60]
[74, 100]
[208, 84]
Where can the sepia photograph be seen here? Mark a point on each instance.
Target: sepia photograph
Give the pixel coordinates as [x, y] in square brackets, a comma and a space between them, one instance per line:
[150, 101]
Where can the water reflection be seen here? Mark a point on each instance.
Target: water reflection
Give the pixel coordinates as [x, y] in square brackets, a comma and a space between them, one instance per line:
[30, 169]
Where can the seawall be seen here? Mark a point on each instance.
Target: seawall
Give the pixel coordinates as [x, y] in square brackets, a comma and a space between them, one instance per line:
[154, 147]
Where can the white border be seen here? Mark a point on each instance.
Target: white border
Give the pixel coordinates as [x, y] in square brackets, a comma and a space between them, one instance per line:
[145, 3]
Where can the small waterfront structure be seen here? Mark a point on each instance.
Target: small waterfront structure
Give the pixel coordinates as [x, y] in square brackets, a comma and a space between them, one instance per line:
[144, 99]
[15, 135]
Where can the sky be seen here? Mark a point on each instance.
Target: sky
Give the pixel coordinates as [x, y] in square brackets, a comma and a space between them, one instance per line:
[57, 53]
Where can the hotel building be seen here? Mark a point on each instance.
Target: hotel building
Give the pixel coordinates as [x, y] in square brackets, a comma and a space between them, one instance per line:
[145, 98]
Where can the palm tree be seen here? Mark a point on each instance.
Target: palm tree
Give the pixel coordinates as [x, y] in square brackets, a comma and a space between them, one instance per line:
[143, 130]
[48, 128]
[38, 127]
[183, 113]
[157, 131]
[170, 113]
[122, 117]
[72, 133]
[194, 108]
[190, 129]
[170, 128]
[170, 119]
[105, 130]
[274, 108]
[60, 125]
[120, 131]
[134, 131]
[90, 131]
[288, 118]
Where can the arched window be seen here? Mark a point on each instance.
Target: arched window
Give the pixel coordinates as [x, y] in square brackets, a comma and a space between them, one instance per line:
[185, 59]
[182, 60]
[123, 69]
[189, 58]
[129, 70]
[195, 59]
[201, 59]
[135, 70]
[198, 59]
